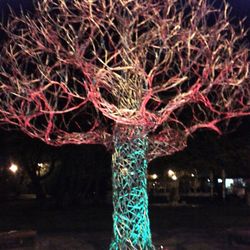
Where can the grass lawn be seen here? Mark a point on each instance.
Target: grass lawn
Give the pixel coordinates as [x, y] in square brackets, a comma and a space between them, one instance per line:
[90, 227]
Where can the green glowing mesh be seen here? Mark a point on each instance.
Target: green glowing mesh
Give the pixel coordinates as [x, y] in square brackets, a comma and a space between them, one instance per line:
[130, 200]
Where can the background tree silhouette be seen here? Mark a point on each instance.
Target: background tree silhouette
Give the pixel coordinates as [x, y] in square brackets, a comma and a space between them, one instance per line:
[137, 76]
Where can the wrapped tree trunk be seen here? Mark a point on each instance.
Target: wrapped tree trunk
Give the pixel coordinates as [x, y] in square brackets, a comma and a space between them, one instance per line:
[130, 217]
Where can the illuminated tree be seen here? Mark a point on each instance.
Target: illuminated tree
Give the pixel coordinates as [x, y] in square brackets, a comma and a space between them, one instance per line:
[137, 76]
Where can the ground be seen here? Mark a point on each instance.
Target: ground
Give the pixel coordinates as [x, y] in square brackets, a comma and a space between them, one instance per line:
[203, 227]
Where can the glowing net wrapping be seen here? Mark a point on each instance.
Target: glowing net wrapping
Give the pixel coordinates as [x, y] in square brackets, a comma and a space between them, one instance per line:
[130, 200]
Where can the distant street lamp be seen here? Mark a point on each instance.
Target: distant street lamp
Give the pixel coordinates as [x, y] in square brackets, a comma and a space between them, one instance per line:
[154, 176]
[172, 175]
[13, 168]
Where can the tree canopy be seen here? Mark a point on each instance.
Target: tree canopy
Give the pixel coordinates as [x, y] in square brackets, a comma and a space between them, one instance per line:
[72, 71]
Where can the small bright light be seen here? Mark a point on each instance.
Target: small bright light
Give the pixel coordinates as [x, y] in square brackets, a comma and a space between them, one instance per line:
[13, 168]
[229, 183]
[208, 180]
[219, 180]
[171, 173]
[174, 177]
[39, 164]
[154, 176]
[192, 175]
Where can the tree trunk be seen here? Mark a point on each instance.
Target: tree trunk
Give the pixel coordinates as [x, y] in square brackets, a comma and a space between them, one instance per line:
[130, 200]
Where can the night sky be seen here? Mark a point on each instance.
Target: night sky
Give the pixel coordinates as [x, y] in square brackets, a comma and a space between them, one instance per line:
[240, 9]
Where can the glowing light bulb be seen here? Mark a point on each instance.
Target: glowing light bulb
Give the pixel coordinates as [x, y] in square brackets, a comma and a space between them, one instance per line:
[174, 177]
[13, 168]
[171, 173]
[154, 176]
